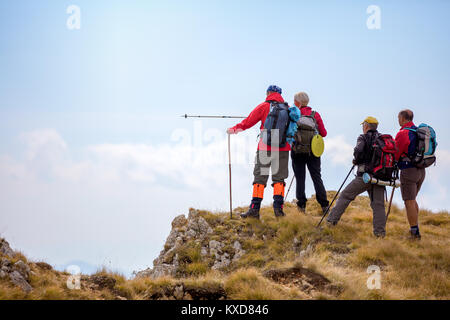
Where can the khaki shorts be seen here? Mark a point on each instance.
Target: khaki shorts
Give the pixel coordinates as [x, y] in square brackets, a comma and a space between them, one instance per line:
[411, 181]
[275, 161]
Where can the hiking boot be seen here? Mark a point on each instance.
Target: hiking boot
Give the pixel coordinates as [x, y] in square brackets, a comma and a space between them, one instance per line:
[414, 235]
[301, 209]
[278, 212]
[251, 213]
[324, 209]
[331, 224]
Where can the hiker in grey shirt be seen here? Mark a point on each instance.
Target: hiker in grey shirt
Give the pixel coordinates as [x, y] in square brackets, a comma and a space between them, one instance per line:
[362, 157]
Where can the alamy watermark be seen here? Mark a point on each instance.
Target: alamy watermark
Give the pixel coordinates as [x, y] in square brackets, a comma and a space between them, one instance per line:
[374, 280]
[374, 19]
[74, 20]
[74, 280]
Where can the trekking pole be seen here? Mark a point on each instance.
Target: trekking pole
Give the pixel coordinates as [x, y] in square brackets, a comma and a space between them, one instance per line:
[329, 206]
[218, 117]
[290, 185]
[390, 203]
[229, 170]
[229, 150]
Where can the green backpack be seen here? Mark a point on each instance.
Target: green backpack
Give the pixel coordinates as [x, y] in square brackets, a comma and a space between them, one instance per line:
[307, 129]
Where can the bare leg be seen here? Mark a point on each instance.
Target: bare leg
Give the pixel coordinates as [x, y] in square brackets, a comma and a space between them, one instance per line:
[412, 211]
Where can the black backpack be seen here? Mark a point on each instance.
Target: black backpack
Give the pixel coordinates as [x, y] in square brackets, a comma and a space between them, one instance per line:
[276, 125]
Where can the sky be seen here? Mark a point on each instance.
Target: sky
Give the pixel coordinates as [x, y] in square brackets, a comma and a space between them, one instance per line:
[95, 160]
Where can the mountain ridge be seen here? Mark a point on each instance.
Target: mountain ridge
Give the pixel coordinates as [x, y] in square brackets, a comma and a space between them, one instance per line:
[210, 256]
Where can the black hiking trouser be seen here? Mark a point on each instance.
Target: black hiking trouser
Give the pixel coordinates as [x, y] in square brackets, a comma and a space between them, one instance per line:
[299, 163]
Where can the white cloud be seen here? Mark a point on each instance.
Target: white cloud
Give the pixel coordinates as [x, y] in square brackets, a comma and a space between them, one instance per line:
[44, 142]
[9, 168]
[435, 190]
[338, 150]
[196, 165]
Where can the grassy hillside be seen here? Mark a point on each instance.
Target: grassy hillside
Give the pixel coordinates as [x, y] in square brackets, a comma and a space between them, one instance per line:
[280, 259]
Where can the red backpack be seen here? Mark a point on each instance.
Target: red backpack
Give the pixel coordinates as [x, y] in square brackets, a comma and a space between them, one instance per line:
[383, 165]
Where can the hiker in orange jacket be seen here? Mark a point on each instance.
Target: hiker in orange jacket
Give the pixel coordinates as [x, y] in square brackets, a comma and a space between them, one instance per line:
[267, 157]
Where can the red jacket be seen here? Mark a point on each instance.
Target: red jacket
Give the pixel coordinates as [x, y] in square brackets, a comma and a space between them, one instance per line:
[405, 140]
[260, 114]
[306, 111]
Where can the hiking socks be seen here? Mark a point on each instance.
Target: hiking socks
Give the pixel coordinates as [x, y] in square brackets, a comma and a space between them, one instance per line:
[258, 195]
[415, 230]
[278, 195]
[415, 233]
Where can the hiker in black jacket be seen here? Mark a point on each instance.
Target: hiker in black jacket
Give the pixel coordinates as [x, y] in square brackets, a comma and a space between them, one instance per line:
[362, 157]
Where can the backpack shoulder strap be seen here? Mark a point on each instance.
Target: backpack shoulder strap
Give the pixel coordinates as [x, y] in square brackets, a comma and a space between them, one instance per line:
[313, 115]
[371, 138]
[274, 102]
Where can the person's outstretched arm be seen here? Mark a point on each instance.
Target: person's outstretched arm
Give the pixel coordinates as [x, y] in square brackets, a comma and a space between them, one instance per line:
[253, 118]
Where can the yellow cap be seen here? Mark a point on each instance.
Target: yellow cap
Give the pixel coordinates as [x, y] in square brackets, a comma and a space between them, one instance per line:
[370, 120]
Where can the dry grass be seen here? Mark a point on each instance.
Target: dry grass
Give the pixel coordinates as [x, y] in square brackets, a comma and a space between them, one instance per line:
[409, 269]
[249, 284]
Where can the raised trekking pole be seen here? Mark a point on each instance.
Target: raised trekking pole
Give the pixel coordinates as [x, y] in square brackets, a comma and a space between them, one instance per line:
[390, 203]
[290, 185]
[329, 206]
[217, 117]
[229, 170]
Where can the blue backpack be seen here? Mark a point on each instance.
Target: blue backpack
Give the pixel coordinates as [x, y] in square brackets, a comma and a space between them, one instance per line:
[276, 125]
[426, 144]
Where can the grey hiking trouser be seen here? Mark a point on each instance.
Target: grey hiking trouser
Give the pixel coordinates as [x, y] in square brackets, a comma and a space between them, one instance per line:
[275, 161]
[355, 188]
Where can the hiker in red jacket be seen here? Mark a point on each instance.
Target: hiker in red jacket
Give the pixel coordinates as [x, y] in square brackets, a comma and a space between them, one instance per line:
[267, 158]
[411, 178]
[305, 158]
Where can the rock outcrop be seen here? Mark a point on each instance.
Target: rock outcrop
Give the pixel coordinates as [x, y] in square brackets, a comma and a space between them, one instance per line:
[18, 272]
[5, 249]
[184, 291]
[195, 232]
